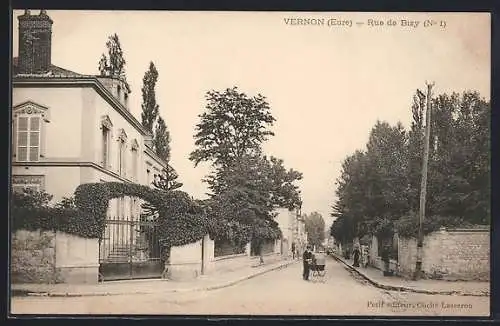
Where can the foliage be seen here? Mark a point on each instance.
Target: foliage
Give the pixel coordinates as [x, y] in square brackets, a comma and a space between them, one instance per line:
[407, 226]
[263, 182]
[233, 125]
[30, 198]
[113, 64]
[30, 210]
[245, 185]
[247, 193]
[167, 180]
[149, 106]
[342, 229]
[380, 187]
[161, 140]
[315, 228]
[180, 219]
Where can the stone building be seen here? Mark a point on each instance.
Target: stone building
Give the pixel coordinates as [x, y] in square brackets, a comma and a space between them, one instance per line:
[70, 128]
[292, 227]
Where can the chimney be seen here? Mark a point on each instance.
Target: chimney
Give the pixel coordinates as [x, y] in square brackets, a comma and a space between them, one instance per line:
[35, 35]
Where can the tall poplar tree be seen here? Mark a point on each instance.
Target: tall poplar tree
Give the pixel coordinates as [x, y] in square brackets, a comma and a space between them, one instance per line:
[161, 140]
[149, 106]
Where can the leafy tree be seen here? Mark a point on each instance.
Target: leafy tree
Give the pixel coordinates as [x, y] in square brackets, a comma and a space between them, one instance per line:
[161, 140]
[245, 185]
[251, 188]
[379, 189]
[233, 125]
[149, 106]
[342, 229]
[263, 180]
[373, 184]
[415, 150]
[114, 63]
[386, 181]
[352, 193]
[315, 228]
[460, 165]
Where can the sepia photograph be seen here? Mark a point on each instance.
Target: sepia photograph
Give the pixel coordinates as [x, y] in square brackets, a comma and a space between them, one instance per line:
[250, 163]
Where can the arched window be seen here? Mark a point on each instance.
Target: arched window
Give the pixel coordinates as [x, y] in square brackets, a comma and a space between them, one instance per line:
[135, 160]
[106, 127]
[122, 145]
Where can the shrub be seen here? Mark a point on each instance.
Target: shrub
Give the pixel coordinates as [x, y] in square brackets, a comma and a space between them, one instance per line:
[407, 226]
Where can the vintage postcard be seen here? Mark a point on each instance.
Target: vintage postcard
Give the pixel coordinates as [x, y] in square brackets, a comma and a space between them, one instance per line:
[250, 163]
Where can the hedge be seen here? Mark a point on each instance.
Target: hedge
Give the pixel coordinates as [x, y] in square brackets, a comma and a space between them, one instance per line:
[181, 220]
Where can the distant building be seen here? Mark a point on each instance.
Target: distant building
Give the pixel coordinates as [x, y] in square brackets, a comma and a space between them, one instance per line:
[292, 226]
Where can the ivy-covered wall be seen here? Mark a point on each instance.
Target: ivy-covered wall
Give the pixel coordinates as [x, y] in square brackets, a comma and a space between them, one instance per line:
[33, 258]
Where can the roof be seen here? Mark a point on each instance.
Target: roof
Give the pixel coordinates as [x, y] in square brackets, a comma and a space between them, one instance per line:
[54, 71]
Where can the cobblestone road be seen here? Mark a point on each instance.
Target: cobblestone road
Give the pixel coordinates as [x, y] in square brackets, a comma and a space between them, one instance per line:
[281, 292]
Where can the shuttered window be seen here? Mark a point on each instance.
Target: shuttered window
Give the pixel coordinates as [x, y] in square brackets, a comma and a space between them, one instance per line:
[28, 138]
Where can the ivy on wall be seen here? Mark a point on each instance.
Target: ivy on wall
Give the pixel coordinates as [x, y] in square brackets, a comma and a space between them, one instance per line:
[30, 210]
[181, 220]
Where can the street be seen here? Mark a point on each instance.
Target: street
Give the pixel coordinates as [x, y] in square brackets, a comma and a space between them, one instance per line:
[281, 292]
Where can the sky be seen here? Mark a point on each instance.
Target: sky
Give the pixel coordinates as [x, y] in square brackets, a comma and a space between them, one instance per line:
[326, 85]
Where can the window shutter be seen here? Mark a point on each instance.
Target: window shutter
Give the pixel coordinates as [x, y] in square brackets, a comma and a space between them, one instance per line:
[43, 137]
[124, 160]
[110, 150]
[14, 137]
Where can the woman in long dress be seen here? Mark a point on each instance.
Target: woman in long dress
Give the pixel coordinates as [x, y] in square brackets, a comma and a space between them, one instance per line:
[356, 257]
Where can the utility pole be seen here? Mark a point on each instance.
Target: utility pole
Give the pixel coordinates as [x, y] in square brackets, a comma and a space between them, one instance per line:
[423, 186]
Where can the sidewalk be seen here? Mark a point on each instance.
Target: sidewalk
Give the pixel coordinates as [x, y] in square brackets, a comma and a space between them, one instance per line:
[148, 286]
[376, 278]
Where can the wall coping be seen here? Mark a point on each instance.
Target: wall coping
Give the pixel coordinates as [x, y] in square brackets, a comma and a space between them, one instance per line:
[186, 263]
[265, 255]
[229, 257]
[78, 266]
[463, 230]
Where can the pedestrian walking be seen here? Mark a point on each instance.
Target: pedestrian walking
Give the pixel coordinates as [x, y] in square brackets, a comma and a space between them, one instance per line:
[356, 256]
[365, 256]
[386, 260]
[293, 250]
[306, 260]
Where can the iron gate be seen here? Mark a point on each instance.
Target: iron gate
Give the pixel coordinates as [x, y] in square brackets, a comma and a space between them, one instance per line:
[130, 248]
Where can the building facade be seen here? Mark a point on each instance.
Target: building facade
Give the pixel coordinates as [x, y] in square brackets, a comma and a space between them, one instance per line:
[69, 129]
[292, 227]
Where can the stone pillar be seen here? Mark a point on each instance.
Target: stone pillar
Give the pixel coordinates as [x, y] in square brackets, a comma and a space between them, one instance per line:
[185, 261]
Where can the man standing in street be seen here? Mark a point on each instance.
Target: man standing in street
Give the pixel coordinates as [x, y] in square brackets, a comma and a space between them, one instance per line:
[293, 250]
[306, 257]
